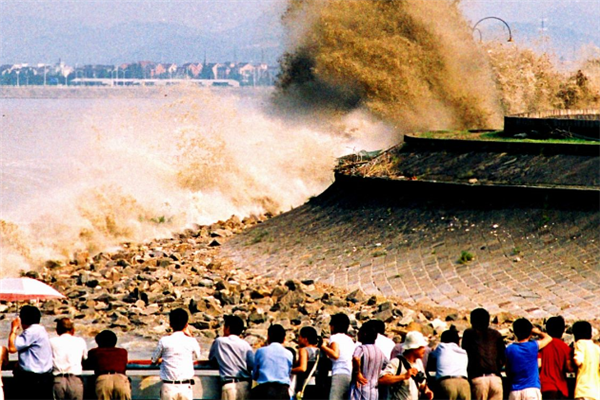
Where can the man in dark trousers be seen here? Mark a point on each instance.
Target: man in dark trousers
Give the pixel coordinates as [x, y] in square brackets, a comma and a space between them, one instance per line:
[33, 375]
[487, 355]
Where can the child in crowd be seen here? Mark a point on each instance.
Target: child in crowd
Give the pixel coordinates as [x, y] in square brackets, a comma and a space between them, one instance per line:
[308, 358]
[555, 362]
[339, 349]
[109, 364]
[451, 367]
[405, 374]
[586, 355]
[522, 361]
[367, 362]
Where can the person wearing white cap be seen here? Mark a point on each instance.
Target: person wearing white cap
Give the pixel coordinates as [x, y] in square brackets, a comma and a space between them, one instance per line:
[405, 374]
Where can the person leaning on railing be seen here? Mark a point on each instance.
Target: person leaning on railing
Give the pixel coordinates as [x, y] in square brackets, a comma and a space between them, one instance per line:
[109, 364]
[234, 358]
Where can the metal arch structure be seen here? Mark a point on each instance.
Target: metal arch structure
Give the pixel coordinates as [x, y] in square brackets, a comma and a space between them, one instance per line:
[510, 37]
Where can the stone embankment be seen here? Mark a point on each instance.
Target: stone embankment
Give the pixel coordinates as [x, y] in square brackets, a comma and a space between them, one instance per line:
[133, 289]
[510, 230]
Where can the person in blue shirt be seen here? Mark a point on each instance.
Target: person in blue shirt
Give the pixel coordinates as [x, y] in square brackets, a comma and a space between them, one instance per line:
[522, 361]
[34, 373]
[272, 367]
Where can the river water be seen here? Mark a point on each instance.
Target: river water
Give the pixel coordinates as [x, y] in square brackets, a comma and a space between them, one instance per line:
[84, 174]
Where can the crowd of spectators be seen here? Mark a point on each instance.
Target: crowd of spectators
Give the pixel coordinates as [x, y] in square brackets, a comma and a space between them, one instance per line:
[336, 368]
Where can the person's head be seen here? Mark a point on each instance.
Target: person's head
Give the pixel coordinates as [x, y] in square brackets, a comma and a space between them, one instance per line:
[450, 336]
[106, 338]
[414, 344]
[308, 336]
[30, 315]
[64, 325]
[367, 334]
[582, 330]
[522, 329]
[178, 319]
[378, 325]
[276, 334]
[480, 319]
[339, 323]
[555, 326]
[233, 325]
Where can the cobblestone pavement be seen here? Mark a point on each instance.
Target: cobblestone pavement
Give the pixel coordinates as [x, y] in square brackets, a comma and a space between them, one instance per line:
[527, 261]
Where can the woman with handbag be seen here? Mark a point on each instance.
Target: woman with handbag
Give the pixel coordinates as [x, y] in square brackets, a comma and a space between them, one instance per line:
[308, 360]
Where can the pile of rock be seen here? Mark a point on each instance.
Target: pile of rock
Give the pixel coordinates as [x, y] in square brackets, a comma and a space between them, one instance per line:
[133, 289]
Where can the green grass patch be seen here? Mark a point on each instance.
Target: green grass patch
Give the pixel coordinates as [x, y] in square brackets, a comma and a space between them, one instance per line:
[486, 135]
[466, 257]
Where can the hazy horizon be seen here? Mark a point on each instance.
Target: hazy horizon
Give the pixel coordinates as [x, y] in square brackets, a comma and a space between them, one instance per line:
[115, 31]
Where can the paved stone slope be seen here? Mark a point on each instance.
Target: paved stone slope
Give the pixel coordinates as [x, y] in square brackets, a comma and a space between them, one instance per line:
[530, 261]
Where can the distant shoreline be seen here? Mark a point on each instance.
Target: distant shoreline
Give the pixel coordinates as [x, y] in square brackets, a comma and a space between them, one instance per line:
[90, 92]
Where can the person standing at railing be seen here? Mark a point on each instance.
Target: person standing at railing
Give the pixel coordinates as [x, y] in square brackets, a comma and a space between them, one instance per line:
[522, 361]
[109, 364]
[272, 367]
[487, 355]
[33, 375]
[555, 362]
[176, 354]
[339, 348]
[68, 352]
[234, 358]
[586, 355]
[3, 364]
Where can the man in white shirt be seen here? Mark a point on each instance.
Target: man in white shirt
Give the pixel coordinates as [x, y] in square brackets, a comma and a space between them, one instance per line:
[176, 354]
[68, 352]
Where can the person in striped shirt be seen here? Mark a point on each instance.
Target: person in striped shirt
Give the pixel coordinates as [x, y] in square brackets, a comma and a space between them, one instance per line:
[367, 362]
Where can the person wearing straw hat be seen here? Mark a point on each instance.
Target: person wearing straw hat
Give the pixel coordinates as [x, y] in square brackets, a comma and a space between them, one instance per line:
[34, 373]
[405, 374]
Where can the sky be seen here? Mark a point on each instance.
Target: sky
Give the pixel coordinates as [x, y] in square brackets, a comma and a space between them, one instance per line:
[215, 14]
[42, 30]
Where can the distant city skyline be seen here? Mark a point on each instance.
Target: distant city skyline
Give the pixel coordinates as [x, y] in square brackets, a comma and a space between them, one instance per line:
[117, 31]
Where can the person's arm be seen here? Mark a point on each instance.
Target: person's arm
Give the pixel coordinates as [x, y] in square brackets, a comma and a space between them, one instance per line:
[12, 336]
[357, 374]
[578, 355]
[501, 350]
[250, 361]
[544, 340]
[569, 364]
[157, 355]
[389, 376]
[302, 362]
[3, 357]
[426, 391]
[212, 354]
[332, 350]
[257, 357]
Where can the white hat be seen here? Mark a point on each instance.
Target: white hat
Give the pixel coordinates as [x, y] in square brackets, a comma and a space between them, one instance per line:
[414, 340]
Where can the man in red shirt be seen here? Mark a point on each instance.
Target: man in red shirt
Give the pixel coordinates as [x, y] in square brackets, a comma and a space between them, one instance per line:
[555, 362]
[109, 364]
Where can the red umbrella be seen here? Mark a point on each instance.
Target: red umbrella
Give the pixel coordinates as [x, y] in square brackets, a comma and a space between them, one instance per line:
[19, 289]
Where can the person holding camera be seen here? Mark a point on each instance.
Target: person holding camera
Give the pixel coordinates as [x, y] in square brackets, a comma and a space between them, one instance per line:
[405, 374]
